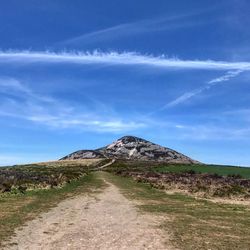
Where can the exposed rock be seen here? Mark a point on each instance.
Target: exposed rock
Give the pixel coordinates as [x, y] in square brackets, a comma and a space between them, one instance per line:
[84, 154]
[133, 148]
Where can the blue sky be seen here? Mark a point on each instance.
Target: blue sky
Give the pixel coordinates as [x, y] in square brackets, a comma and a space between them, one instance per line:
[80, 74]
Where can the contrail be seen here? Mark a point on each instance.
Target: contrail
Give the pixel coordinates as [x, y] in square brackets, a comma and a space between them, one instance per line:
[115, 58]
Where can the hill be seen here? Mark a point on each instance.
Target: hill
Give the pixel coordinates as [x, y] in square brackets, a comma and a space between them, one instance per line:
[133, 148]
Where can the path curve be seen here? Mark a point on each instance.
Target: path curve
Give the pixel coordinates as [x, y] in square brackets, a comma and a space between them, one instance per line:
[107, 220]
[106, 165]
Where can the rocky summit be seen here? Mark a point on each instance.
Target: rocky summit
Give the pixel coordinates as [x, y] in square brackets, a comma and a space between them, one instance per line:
[133, 148]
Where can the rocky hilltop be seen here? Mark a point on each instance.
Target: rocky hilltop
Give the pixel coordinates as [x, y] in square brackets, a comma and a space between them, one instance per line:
[132, 148]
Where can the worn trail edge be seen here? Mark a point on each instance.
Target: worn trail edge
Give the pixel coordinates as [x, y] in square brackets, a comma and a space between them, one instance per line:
[104, 221]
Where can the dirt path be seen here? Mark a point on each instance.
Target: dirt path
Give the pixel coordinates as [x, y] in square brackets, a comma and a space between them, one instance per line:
[106, 165]
[105, 221]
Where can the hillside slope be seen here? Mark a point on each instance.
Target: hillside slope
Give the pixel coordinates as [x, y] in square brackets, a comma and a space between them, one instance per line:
[133, 148]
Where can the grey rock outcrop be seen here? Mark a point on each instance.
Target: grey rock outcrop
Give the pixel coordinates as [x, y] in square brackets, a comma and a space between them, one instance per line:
[84, 154]
[133, 148]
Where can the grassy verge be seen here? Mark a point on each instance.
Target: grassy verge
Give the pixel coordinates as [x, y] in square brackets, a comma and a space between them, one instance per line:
[43, 175]
[191, 223]
[213, 169]
[179, 168]
[16, 209]
[199, 180]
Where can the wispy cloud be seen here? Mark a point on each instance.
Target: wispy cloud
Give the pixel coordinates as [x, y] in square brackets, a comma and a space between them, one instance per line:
[7, 84]
[85, 122]
[53, 113]
[224, 78]
[188, 95]
[13, 87]
[115, 58]
[217, 126]
[213, 132]
[137, 28]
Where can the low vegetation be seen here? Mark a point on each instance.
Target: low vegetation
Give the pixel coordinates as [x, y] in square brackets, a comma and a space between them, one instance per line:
[18, 179]
[28, 190]
[201, 180]
[191, 223]
[212, 169]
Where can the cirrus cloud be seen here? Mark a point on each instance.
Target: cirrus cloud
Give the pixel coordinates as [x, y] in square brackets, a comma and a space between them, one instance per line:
[116, 58]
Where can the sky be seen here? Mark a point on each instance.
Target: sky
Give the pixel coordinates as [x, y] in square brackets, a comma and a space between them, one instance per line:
[81, 74]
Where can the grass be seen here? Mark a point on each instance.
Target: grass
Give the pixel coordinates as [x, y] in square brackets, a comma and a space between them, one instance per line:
[44, 175]
[215, 169]
[177, 168]
[16, 209]
[192, 223]
[201, 180]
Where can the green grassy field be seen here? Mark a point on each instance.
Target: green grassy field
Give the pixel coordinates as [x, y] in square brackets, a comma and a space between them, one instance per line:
[177, 168]
[217, 169]
[202, 180]
[191, 223]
